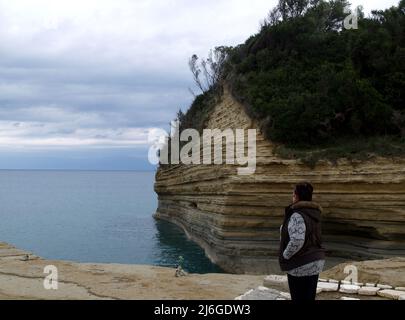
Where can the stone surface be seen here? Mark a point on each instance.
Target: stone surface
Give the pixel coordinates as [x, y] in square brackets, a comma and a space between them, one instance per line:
[285, 295]
[386, 271]
[384, 286]
[328, 287]
[349, 288]
[24, 280]
[369, 291]
[276, 281]
[400, 288]
[236, 218]
[246, 294]
[391, 294]
[401, 297]
[370, 284]
[261, 293]
[333, 281]
[348, 298]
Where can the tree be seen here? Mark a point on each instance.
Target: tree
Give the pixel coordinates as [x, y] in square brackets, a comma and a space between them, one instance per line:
[293, 8]
[211, 68]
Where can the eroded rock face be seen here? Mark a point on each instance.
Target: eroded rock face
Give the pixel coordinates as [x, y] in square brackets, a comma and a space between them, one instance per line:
[236, 219]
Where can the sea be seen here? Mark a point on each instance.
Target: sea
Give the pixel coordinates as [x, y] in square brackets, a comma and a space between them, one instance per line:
[93, 216]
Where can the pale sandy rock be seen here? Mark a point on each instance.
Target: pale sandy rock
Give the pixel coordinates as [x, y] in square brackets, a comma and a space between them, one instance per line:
[369, 291]
[333, 281]
[348, 298]
[244, 295]
[323, 280]
[25, 280]
[358, 284]
[285, 295]
[276, 281]
[401, 297]
[345, 282]
[328, 287]
[349, 288]
[260, 293]
[262, 288]
[400, 288]
[318, 290]
[384, 286]
[391, 294]
[236, 219]
[370, 284]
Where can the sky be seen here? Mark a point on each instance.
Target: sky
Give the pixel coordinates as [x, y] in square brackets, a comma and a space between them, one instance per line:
[83, 82]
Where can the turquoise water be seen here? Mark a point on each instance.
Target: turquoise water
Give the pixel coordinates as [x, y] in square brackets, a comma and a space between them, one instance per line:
[92, 216]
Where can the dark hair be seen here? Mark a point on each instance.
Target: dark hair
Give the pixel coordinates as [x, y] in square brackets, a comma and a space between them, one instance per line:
[304, 191]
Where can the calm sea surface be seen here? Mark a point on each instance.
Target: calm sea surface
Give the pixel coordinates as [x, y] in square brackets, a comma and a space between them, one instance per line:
[92, 216]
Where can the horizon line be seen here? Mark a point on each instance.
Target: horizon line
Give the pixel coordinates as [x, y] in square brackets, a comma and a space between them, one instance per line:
[96, 170]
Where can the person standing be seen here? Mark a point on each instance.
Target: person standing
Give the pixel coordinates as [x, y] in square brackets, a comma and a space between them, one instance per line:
[302, 255]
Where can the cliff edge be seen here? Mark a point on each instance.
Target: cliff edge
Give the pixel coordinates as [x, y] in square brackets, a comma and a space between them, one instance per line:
[236, 219]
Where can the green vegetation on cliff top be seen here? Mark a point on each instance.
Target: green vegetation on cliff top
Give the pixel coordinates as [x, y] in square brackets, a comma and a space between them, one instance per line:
[317, 89]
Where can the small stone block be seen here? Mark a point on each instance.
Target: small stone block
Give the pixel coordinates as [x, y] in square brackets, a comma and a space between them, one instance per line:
[391, 294]
[328, 287]
[369, 291]
[349, 288]
[384, 286]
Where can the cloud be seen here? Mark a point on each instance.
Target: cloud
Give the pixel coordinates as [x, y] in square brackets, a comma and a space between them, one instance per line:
[100, 73]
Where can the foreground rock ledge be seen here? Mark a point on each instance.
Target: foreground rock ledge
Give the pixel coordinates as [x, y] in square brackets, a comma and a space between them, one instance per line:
[21, 279]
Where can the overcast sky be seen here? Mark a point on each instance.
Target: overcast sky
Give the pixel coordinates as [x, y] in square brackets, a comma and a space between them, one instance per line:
[82, 82]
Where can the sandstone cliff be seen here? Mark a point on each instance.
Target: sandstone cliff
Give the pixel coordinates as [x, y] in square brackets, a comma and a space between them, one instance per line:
[236, 219]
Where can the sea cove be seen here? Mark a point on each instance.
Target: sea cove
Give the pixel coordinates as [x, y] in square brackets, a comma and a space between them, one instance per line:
[92, 216]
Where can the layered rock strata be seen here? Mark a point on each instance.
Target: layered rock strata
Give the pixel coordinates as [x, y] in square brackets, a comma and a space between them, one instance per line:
[236, 218]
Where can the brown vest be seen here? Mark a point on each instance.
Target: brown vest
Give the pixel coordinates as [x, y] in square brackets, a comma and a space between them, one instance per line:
[312, 249]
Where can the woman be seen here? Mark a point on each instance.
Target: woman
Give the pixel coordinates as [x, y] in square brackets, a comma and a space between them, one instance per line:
[301, 251]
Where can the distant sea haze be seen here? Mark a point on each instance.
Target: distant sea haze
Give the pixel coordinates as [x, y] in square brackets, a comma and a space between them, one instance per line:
[92, 216]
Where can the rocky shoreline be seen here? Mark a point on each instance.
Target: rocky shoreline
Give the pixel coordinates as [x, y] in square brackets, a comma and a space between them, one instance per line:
[22, 277]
